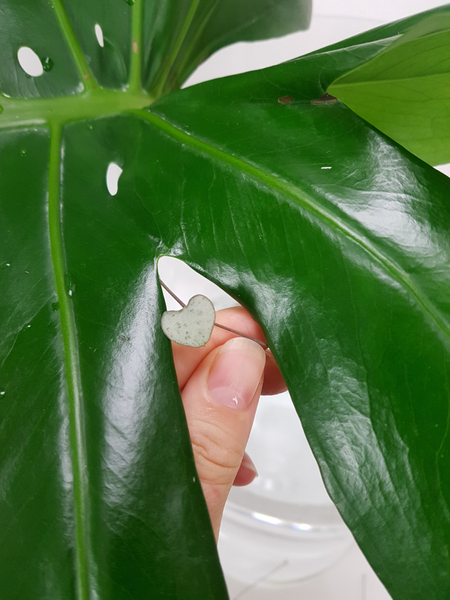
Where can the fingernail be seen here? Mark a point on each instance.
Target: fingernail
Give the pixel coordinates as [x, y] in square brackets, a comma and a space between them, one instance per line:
[236, 373]
[247, 463]
[247, 472]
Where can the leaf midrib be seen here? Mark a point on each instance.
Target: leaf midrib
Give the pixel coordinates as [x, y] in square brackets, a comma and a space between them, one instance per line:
[311, 205]
[72, 367]
[91, 104]
[57, 113]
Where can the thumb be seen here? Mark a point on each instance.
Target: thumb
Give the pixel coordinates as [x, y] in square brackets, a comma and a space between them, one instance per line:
[220, 401]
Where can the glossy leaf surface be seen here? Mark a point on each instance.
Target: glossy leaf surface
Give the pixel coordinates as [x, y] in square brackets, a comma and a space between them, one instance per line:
[335, 238]
[354, 297]
[99, 493]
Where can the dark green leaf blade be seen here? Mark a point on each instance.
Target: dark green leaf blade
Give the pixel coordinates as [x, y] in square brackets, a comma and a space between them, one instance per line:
[22, 25]
[180, 38]
[150, 528]
[103, 31]
[338, 240]
[35, 503]
[121, 535]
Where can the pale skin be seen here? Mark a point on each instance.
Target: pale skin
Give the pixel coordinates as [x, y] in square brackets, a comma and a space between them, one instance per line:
[220, 386]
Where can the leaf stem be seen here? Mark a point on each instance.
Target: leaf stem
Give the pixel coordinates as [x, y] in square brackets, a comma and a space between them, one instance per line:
[169, 291]
[74, 391]
[86, 74]
[170, 61]
[239, 333]
[21, 112]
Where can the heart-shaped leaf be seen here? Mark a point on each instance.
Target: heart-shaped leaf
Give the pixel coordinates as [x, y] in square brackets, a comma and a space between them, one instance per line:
[192, 325]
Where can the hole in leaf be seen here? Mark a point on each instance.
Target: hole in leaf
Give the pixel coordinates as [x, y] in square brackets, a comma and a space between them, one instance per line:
[30, 62]
[113, 174]
[99, 35]
[186, 282]
[444, 169]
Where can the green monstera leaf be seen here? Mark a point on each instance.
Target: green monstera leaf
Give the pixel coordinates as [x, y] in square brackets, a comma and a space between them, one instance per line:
[333, 235]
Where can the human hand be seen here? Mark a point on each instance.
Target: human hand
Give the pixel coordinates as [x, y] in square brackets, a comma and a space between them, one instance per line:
[220, 386]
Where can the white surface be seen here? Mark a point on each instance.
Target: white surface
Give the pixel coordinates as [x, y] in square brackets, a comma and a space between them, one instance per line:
[350, 577]
[387, 10]
[292, 529]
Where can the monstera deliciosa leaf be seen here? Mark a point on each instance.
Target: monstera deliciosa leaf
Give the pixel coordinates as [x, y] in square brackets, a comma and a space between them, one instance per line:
[333, 235]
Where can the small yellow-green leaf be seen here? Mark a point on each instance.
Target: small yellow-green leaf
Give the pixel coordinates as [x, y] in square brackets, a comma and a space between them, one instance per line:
[405, 89]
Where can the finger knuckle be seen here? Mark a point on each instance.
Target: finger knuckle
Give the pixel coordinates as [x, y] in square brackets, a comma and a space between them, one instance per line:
[217, 458]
